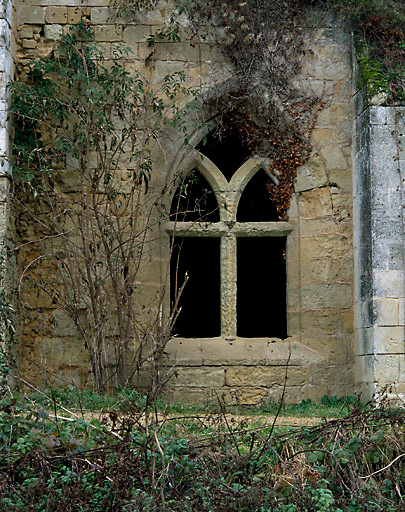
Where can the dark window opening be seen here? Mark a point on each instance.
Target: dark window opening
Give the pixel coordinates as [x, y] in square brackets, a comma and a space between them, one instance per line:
[261, 281]
[226, 150]
[200, 300]
[194, 200]
[255, 204]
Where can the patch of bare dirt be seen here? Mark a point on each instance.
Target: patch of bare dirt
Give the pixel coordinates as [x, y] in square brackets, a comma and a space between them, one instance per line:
[111, 417]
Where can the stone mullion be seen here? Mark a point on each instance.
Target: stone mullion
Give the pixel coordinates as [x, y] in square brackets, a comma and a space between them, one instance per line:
[228, 286]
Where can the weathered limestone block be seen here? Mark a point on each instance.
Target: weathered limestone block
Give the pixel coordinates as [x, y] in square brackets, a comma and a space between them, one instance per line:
[64, 352]
[76, 14]
[184, 352]
[249, 396]
[315, 203]
[320, 322]
[334, 349]
[136, 34]
[310, 176]
[33, 15]
[386, 369]
[25, 32]
[29, 43]
[323, 136]
[204, 377]
[57, 15]
[163, 69]
[323, 247]
[319, 270]
[347, 321]
[386, 311]
[107, 33]
[327, 295]
[343, 133]
[342, 179]
[334, 374]
[388, 283]
[188, 395]
[321, 68]
[53, 32]
[266, 376]
[315, 392]
[324, 226]
[188, 52]
[334, 158]
[389, 340]
[101, 15]
[401, 305]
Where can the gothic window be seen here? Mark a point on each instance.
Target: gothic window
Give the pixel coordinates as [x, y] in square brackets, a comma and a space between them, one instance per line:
[226, 237]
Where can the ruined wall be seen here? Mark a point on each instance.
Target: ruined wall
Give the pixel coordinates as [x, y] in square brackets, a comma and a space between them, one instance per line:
[7, 50]
[7, 57]
[319, 261]
[319, 254]
[379, 241]
[8, 263]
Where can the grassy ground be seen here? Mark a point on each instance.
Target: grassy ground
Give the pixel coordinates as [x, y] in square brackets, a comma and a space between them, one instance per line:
[122, 401]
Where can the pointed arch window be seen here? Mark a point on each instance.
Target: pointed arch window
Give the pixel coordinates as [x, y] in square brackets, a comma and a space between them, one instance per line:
[227, 237]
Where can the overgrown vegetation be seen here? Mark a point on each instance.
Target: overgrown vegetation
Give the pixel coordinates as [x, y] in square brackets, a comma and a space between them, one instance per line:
[202, 462]
[126, 399]
[84, 133]
[69, 114]
[265, 42]
[7, 321]
[379, 30]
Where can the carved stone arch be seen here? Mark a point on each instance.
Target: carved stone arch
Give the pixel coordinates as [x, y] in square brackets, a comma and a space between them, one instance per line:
[173, 161]
[241, 178]
[171, 156]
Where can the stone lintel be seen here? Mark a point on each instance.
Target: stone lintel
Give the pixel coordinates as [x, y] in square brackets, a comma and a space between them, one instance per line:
[239, 229]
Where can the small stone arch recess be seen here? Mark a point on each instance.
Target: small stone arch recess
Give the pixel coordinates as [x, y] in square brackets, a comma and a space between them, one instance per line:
[235, 262]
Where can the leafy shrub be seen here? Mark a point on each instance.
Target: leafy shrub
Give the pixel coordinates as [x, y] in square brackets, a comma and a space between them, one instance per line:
[198, 463]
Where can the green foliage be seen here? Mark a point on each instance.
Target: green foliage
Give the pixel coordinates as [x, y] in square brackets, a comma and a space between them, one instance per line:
[169, 33]
[66, 107]
[7, 316]
[329, 407]
[379, 30]
[322, 499]
[194, 463]
[84, 125]
[71, 101]
[124, 399]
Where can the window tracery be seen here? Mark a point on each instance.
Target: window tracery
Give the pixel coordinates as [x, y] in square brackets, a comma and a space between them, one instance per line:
[232, 246]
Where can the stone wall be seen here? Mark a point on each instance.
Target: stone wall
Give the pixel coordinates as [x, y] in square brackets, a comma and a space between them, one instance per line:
[7, 50]
[7, 66]
[318, 355]
[319, 349]
[379, 202]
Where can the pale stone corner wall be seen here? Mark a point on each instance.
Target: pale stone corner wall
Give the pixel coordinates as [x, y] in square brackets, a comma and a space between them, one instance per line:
[379, 244]
[7, 66]
[7, 55]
